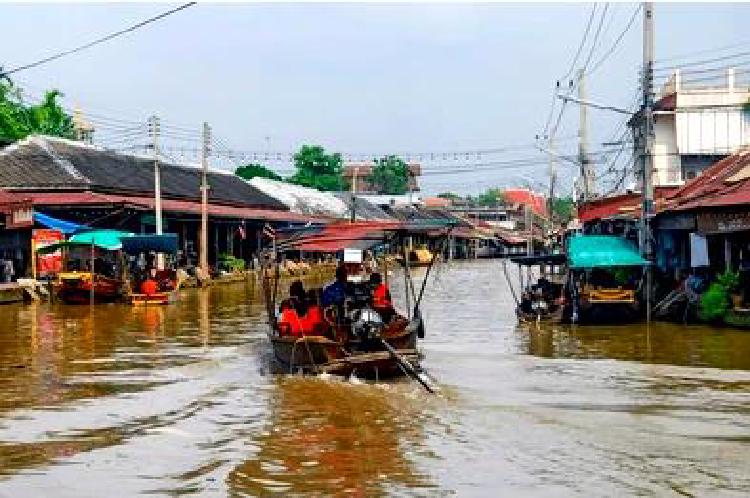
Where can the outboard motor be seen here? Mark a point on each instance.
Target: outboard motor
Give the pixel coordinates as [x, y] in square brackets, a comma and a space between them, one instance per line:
[367, 326]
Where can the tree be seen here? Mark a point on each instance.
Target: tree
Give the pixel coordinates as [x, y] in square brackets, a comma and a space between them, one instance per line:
[493, 197]
[317, 169]
[389, 176]
[563, 209]
[250, 171]
[449, 195]
[19, 119]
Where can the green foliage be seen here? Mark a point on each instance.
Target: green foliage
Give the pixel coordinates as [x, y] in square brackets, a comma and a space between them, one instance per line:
[230, 263]
[317, 169]
[19, 119]
[563, 209]
[250, 171]
[390, 176]
[449, 195]
[714, 303]
[493, 197]
[730, 280]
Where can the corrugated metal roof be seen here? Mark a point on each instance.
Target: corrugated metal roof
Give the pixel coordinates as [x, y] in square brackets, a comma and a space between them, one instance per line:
[41, 162]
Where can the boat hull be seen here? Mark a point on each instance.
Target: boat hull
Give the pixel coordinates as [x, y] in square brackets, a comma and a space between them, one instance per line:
[77, 289]
[318, 354]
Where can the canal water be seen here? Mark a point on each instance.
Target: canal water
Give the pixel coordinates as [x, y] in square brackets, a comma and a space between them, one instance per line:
[118, 401]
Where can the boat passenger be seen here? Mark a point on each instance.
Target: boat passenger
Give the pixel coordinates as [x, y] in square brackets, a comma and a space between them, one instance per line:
[336, 293]
[312, 321]
[149, 286]
[381, 297]
[293, 310]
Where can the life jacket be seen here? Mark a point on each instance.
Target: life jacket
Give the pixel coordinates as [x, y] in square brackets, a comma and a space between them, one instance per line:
[149, 287]
[312, 322]
[290, 323]
[381, 298]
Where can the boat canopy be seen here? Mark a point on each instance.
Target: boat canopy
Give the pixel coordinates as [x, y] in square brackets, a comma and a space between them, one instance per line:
[540, 259]
[110, 240]
[602, 251]
[136, 244]
[336, 237]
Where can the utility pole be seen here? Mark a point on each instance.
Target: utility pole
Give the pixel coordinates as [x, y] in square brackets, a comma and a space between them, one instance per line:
[529, 220]
[552, 181]
[205, 150]
[647, 136]
[353, 216]
[154, 127]
[587, 177]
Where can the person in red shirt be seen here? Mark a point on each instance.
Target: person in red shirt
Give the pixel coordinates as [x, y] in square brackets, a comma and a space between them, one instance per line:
[150, 286]
[381, 298]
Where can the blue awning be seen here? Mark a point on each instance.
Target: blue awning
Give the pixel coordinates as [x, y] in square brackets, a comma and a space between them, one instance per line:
[54, 223]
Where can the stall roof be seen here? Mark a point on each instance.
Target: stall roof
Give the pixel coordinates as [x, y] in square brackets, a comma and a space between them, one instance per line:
[338, 236]
[57, 224]
[602, 251]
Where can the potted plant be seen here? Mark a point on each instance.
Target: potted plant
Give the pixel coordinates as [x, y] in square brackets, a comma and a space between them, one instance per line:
[730, 280]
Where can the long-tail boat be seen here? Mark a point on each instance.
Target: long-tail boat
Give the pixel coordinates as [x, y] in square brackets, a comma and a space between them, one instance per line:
[354, 338]
[167, 280]
[601, 283]
[93, 267]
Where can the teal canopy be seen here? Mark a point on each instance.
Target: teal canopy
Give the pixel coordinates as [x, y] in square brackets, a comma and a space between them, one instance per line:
[109, 240]
[602, 251]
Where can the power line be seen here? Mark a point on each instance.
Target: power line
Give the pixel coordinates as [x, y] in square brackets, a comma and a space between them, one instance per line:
[617, 41]
[97, 41]
[596, 36]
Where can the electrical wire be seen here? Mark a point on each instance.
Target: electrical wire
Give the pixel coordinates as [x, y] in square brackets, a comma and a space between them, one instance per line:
[617, 41]
[97, 41]
[596, 37]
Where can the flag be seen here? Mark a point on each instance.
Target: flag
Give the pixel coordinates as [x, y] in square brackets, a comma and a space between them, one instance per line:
[269, 231]
[241, 231]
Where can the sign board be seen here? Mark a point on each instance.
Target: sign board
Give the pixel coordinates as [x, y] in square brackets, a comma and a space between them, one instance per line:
[723, 222]
[47, 264]
[19, 215]
[352, 255]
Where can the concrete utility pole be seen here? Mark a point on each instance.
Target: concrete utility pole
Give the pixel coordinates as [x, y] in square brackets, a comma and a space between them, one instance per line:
[154, 127]
[647, 137]
[587, 175]
[205, 150]
[529, 220]
[552, 180]
[353, 213]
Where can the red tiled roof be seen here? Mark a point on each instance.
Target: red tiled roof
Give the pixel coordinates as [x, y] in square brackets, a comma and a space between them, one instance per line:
[10, 197]
[621, 205]
[725, 183]
[169, 205]
[525, 196]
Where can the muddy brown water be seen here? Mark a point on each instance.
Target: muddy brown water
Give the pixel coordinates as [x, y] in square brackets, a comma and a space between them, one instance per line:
[111, 400]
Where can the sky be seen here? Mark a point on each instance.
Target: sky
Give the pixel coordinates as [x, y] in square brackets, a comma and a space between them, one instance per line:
[432, 82]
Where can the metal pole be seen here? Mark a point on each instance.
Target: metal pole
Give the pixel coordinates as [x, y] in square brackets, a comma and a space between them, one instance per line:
[154, 128]
[206, 139]
[583, 146]
[647, 137]
[93, 279]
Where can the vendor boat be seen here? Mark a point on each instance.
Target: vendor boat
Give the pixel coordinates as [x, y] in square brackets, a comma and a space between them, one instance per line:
[168, 281]
[355, 339]
[88, 250]
[83, 287]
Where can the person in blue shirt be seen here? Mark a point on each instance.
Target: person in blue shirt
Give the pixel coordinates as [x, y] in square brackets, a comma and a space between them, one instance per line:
[335, 294]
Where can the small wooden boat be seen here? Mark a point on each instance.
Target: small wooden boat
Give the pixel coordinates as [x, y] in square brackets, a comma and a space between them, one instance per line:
[76, 288]
[358, 341]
